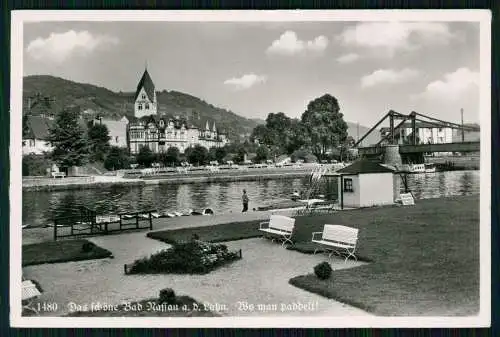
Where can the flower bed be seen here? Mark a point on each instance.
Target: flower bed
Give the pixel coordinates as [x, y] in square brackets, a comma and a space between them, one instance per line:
[194, 257]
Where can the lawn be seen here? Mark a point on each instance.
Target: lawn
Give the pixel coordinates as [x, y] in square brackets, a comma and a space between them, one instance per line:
[425, 258]
[220, 233]
[61, 251]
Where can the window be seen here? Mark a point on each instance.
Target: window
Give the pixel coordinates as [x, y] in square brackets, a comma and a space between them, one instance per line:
[143, 96]
[139, 107]
[348, 185]
[147, 106]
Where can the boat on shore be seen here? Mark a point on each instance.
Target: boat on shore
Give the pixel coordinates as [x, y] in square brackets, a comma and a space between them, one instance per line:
[422, 168]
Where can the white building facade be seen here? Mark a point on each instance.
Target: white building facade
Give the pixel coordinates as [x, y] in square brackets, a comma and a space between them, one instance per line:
[160, 132]
[36, 140]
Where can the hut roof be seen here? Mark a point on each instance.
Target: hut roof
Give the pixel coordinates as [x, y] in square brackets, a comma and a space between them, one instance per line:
[365, 166]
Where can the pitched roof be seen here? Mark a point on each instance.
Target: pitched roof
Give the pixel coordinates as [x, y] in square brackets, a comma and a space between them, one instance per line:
[147, 83]
[365, 166]
[39, 127]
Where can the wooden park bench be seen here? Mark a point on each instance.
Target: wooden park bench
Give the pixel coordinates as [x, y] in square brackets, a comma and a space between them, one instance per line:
[29, 293]
[279, 226]
[337, 239]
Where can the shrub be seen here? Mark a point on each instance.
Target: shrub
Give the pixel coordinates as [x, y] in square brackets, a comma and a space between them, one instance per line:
[36, 165]
[323, 270]
[167, 296]
[87, 247]
[193, 257]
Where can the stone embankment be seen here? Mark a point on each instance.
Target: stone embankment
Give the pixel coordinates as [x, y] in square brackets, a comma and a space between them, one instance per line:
[58, 184]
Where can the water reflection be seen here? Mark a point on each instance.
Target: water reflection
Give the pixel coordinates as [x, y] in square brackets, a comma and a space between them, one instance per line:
[40, 207]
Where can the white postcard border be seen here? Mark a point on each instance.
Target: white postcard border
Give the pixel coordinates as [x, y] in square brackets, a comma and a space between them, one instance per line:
[19, 17]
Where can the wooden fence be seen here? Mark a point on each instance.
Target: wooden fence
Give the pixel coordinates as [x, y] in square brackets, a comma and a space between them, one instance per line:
[88, 222]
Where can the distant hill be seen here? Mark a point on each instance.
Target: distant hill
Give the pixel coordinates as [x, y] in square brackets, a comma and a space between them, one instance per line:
[371, 139]
[110, 104]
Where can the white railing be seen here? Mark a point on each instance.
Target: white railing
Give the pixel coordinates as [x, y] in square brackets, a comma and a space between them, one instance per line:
[44, 181]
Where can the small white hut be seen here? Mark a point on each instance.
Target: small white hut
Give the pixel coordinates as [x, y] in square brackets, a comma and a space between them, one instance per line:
[365, 183]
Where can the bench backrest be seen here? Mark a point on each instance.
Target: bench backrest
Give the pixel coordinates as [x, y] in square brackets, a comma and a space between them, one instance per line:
[338, 233]
[29, 290]
[281, 222]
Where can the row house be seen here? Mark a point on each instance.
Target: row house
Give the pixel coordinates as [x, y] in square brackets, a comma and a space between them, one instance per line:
[160, 133]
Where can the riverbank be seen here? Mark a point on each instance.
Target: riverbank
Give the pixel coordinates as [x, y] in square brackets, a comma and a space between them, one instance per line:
[425, 259]
[98, 182]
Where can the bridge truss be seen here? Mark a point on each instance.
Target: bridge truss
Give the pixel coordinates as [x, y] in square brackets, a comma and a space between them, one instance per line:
[413, 117]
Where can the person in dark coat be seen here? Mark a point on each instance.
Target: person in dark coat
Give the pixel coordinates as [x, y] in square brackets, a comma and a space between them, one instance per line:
[244, 199]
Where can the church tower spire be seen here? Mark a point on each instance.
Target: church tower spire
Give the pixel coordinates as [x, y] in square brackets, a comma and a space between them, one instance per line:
[145, 96]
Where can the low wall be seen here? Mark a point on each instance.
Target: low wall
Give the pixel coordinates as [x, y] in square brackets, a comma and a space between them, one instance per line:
[71, 183]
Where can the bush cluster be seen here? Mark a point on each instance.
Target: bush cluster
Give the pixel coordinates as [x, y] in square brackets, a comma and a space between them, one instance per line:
[88, 247]
[193, 257]
[323, 270]
[167, 296]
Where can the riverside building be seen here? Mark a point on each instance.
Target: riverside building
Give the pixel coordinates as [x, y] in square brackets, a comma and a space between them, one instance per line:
[157, 132]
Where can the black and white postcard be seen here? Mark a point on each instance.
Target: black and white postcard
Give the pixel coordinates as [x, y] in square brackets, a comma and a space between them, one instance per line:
[250, 169]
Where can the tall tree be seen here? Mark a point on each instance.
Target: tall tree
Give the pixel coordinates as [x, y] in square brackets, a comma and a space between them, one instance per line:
[324, 124]
[145, 157]
[198, 155]
[98, 141]
[220, 153]
[117, 159]
[262, 153]
[172, 156]
[212, 153]
[68, 139]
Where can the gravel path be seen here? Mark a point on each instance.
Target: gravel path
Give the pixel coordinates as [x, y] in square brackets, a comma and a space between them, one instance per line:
[260, 278]
[34, 235]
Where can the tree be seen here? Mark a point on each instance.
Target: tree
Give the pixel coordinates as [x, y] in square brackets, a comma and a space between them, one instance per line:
[145, 157]
[262, 153]
[172, 156]
[198, 155]
[220, 153]
[324, 124]
[240, 154]
[68, 139]
[117, 159]
[296, 136]
[98, 138]
[212, 153]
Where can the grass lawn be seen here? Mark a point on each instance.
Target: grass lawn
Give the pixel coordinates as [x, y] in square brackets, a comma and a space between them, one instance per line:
[60, 251]
[185, 307]
[425, 258]
[220, 233]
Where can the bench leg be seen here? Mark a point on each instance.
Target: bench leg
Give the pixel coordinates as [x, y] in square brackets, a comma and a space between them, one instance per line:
[286, 239]
[349, 254]
[29, 306]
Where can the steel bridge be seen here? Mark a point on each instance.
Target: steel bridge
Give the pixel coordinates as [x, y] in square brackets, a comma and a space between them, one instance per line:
[413, 146]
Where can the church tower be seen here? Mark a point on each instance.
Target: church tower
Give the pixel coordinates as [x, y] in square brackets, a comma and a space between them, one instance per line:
[145, 97]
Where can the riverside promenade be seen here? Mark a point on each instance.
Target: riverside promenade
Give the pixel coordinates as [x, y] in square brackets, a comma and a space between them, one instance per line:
[226, 290]
[39, 234]
[100, 181]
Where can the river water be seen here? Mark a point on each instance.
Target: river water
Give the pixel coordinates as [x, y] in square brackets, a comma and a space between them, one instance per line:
[40, 207]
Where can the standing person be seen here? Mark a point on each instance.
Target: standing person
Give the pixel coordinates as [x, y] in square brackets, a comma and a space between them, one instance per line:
[244, 198]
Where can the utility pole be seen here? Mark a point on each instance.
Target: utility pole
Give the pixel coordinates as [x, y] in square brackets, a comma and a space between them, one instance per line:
[462, 116]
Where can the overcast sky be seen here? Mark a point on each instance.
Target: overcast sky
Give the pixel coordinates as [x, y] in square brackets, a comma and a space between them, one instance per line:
[257, 68]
